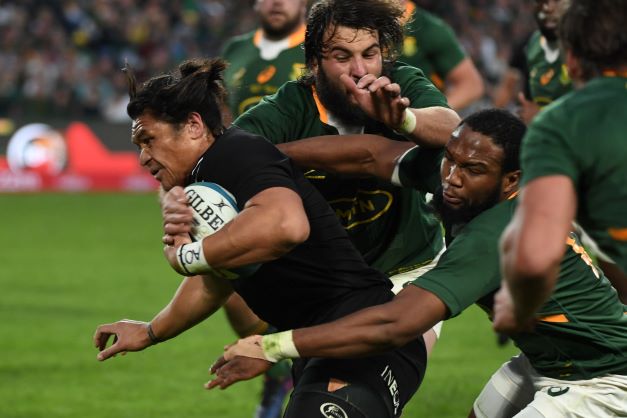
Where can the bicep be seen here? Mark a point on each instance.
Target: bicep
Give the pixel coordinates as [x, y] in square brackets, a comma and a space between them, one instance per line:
[464, 72]
[277, 213]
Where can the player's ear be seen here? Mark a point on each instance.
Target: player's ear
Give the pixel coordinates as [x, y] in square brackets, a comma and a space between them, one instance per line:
[510, 182]
[195, 126]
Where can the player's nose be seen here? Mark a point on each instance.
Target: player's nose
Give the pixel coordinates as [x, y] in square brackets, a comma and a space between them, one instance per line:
[144, 157]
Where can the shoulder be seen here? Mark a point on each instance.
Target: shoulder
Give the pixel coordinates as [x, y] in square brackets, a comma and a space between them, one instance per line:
[237, 42]
[240, 149]
[557, 116]
[235, 138]
[415, 85]
[429, 21]
[403, 72]
[534, 38]
[532, 47]
[290, 99]
[430, 30]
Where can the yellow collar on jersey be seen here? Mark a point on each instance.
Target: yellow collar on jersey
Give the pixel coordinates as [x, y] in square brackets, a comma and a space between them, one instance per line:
[296, 38]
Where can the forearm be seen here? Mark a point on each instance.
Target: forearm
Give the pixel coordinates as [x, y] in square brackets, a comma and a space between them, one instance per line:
[365, 155]
[195, 300]
[434, 126]
[242, 319]
[360, 335]
[530, 283]
[529, 289]
[533, 246]
[373, 330]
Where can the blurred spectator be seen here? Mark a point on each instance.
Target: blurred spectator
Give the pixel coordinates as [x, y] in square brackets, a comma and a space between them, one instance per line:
[61, 57]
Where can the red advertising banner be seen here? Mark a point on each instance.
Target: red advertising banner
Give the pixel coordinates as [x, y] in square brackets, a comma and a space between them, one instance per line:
[42, 158]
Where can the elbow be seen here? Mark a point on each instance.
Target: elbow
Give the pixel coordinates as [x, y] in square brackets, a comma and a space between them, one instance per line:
[293, 230]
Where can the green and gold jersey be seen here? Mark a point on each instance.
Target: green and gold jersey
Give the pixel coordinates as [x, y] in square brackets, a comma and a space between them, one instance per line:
[430, 44]
[391, 226]
[548, 76]
[582, 136]
[258, 67]
[581, 332]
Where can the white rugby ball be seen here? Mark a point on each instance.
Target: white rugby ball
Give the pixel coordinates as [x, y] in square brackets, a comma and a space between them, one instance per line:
[212, 208]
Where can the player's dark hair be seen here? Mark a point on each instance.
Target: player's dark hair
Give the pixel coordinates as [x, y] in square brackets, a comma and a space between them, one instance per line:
[381, 16]
[505, 130]
[594, 31]
[195, 86]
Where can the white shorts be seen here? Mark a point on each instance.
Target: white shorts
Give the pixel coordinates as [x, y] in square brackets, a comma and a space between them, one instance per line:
[399, 281]
[517, 390]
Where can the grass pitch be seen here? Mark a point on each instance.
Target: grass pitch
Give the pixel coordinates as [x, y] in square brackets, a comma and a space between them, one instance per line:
[69, 262]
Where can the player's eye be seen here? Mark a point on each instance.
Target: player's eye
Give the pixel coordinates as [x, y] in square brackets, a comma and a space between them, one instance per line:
[475, 171]
[341, 57]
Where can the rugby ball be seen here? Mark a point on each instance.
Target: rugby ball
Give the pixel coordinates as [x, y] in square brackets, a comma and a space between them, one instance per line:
[212, 208]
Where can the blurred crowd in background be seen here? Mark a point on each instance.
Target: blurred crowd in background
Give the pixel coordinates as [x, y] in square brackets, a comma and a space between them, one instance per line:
[63, 57]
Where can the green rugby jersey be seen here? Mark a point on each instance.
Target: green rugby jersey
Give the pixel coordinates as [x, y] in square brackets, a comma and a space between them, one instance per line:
[581, 331]
[249, 76]
[548, 75]
[430, 44]
[391, 226]
[583, 136]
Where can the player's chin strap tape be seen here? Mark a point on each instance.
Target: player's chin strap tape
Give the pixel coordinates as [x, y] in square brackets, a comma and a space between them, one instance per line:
[279, 346]
[192, 260]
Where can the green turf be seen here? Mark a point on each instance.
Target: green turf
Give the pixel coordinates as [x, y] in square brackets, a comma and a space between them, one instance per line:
[70, 262]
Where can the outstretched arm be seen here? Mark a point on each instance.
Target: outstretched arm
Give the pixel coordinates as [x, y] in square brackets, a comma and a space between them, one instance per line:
[532, 247]
[368, 331]
[196, 298]
[368, 155]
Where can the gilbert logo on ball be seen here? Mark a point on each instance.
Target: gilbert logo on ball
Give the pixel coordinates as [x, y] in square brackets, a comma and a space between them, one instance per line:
[213, 207]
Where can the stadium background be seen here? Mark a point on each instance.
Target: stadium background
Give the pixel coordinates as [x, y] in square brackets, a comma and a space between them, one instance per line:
[70, 261]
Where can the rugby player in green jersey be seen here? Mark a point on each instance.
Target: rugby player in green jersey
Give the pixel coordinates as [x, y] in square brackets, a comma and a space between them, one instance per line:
[548, 75]
[430, 44]
[574, 159]
[353, 85]
[259, 63]
[262, 60]
[574, 363]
